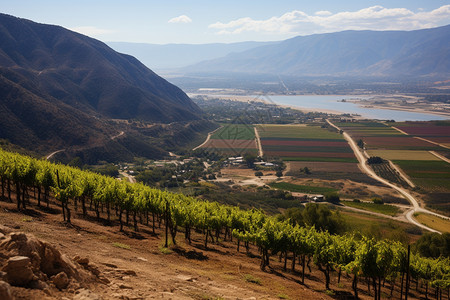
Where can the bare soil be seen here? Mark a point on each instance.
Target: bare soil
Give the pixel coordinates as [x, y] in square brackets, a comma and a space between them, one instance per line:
[138, 267]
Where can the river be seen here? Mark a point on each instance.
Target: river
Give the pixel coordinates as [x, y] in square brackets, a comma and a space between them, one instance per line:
[331, 103]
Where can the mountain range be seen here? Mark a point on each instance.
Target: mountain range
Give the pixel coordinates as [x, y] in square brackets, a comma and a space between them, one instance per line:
[162, 57]
[415, 53]
[59, 89]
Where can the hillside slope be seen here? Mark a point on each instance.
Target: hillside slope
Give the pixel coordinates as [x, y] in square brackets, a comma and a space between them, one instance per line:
[60, 89]
[369, 53]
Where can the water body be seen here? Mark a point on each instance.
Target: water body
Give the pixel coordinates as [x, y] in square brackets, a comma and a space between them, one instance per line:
[331, 103]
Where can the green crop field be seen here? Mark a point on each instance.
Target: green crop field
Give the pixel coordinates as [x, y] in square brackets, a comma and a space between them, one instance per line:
[385, 209]
[307, 189]
[235, 132]
[430, 175]
[297, 132]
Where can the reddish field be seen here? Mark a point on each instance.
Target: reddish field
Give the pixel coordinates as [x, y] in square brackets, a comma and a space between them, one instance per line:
[312, 143]
[309, 154]
[394, 141]
[216, 143]
[426, 130]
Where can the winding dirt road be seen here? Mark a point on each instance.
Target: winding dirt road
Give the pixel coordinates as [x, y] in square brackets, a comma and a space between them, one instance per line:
[366, 169]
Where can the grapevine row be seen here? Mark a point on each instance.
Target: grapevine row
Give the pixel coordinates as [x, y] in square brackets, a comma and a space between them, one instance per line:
[77, 189]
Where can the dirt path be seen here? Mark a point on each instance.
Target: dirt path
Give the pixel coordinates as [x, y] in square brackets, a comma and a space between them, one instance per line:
[117, 135]
[258, 143]
[128, 176]
[440, 156]
[53, 153]
[366, 169]
[207, 139]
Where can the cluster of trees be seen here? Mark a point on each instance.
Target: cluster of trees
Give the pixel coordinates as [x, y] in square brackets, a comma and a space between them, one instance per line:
[359, 256]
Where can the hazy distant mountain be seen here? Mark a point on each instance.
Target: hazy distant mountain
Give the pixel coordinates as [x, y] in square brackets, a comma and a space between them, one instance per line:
[368, 53]
[58, 88]
[180, 55]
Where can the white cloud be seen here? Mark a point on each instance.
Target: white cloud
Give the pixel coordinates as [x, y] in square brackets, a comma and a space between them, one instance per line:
[91, 30]
[371, 18]
[181, 19]
[323, 13]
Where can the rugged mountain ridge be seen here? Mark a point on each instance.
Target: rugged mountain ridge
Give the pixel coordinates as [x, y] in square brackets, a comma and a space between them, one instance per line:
[61, 89]
[348, 53]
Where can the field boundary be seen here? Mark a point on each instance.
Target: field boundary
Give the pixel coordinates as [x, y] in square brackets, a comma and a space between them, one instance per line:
[405, 193]
[207, 138]
[258, 143]
[440, 156]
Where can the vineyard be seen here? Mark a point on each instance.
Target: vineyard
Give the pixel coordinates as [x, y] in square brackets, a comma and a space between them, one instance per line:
[386, 171]
[366, 260]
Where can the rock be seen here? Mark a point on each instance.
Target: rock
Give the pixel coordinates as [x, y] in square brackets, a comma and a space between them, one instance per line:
[4, 229]
[3, 275]
[110, 265]
[18, 270]
[18, 236]
[5, 291]
[104, 280]
[94, 269]
[128, 272]
[142, 259]
[2, 236]
[125, 287]
[86, 295]
[81, 261]
[60, 280]
[39, 285]
[185, 278]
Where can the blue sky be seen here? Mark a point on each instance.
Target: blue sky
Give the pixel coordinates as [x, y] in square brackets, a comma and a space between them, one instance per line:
[202, 21]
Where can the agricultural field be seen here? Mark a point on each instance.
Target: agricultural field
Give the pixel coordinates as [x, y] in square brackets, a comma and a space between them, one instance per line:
[304, 143]
[435, 131]
[233, 140]
[404, 154]
[412, 147]
[433, 222]
[378, 136]
[433, 179]
[385, 209]
[307, 189]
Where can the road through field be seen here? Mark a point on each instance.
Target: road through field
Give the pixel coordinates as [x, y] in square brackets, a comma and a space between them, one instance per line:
[207, 139]
[366, 169]
[258, 143]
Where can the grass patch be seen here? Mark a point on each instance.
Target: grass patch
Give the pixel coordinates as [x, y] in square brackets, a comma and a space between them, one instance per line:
[235, 132]
[434, 222]
[122, 246]
[307, 189]
[252, 279]
[385, 209]
[27, 219]
[297, 131]
[283, 296]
